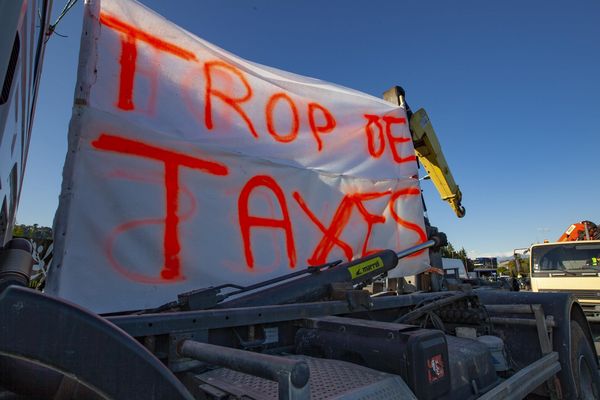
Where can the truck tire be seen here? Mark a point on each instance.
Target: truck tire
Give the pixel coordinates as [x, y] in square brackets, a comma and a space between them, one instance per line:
[583, 365]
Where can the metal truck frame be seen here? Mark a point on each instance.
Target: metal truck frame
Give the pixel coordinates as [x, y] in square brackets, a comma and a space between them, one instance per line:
[141, 356]
[340, 343]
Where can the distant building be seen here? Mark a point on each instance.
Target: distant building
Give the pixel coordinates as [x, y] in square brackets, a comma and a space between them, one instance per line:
[486, 262]
[455, 263]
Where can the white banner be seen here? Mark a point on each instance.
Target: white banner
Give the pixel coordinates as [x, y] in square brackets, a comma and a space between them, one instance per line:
[189, 167]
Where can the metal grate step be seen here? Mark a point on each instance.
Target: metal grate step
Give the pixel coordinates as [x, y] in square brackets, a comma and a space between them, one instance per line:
[329, 379]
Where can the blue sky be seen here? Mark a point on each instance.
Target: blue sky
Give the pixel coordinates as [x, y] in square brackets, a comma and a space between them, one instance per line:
[512, 89]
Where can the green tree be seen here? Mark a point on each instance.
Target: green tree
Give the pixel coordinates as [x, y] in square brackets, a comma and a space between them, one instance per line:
[19, 231]
[462, 254]
[448, 251]
[33, 232]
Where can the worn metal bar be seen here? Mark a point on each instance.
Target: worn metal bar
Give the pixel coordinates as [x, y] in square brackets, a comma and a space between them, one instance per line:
[544, 335]
[166, 323]
[510, 308]
[291, 375]
[419, 247]
[526, 380]
[542, 329]
[520, 321]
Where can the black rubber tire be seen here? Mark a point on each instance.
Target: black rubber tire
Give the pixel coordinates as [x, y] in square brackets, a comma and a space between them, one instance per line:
[584, 366]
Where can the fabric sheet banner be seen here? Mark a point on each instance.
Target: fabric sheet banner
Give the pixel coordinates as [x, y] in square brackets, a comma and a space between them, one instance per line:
[189, 167]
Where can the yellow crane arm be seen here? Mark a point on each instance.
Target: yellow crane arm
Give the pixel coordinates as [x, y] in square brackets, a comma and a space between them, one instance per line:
[429, 152]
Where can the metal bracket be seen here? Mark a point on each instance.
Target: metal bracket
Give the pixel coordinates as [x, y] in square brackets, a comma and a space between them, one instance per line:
[543, 326]
[176, 362]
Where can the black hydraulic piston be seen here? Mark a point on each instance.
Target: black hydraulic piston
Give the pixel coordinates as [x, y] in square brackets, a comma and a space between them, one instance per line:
[306, 285]
[15, 263]
[316, 285]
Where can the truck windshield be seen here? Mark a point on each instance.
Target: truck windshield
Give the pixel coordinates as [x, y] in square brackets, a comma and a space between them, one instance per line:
[566, 257]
